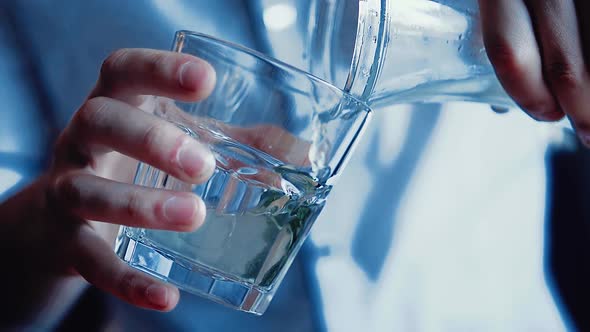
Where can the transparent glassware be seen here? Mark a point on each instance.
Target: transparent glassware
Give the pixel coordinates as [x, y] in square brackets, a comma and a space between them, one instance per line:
[390, 52]
[410, 51]
[280, 137]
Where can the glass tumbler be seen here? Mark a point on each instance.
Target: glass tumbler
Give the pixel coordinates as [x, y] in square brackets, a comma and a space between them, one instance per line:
[280, 138]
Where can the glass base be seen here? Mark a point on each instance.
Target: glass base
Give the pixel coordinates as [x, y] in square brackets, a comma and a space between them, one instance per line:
[193, 278]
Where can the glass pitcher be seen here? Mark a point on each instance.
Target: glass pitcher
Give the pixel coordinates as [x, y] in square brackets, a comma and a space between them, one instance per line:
[390, 51]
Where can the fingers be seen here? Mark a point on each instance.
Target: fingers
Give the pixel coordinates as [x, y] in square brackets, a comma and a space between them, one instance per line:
[130, 72]
[556, 23]
[94, 198]
[111, 123]
[512, 48]
[98, 264]
[562, 39]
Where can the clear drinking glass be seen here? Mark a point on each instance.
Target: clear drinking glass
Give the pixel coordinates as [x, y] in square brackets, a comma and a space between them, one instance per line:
[280, 137]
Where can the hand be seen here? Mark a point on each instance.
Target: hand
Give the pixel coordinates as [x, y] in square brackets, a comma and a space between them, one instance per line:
[65, 223]
[540, 50]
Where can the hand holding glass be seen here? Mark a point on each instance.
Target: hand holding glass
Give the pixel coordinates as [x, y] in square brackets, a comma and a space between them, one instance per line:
[280, 137]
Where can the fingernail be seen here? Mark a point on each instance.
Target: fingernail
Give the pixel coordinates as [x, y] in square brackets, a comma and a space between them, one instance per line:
[157, 295]
[547, 115]
[195, 160]
[180, 209]
[193, 74]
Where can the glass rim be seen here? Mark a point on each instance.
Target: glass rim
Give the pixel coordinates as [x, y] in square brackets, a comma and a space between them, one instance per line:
[272, 61]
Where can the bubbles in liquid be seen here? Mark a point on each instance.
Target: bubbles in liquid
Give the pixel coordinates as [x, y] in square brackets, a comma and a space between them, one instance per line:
[365, 71]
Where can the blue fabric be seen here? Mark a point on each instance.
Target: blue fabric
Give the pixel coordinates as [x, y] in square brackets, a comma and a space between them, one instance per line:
[435, 225]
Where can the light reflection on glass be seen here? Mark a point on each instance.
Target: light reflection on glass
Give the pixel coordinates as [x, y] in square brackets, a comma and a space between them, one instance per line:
[279, 16]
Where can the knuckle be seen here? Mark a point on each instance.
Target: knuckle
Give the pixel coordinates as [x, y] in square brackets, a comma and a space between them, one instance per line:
[67, 193]
[156, 62]
[111, 66]
[563, 74]
[126, 285]
[133, 206]
[91, 114]
[113, 62]
[508, 61]
[151, 136]
[84, 127]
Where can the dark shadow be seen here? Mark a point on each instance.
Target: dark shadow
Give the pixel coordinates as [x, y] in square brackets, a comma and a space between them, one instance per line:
[389, 185]
[567, 234]
[90, 313]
